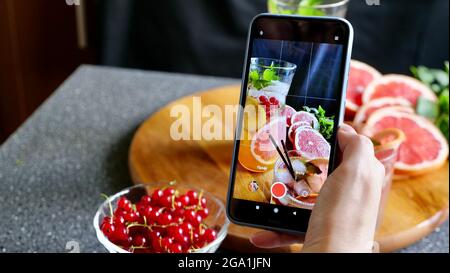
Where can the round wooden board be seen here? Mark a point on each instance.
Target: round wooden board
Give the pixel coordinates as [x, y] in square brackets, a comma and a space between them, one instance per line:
[415, 206]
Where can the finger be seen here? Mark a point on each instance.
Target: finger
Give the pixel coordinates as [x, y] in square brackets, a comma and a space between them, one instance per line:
[270, 239]
[345, 135]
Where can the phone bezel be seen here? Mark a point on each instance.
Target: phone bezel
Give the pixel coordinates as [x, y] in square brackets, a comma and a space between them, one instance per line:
[265, 217]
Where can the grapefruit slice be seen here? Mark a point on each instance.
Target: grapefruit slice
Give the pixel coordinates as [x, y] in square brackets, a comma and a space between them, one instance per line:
[424, 149]
[293, 129]
[261, 146]
[360, 75]
[311, 144]
[390, 138]
[395, 86]
[289, 112]
[305, 117]
[367, 109]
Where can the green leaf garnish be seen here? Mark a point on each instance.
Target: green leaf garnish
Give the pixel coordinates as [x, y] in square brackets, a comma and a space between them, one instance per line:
[427, 108]
[326, 123]
[437, 80]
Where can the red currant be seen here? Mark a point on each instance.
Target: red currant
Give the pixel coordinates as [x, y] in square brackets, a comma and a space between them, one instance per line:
[209, 235]
[187, 227]
[165, 219]
[169, 192]
[193, 197]
[146, 200]
[124, 204]
[139, 240]
[184, 199]
[156, 244]
[166, 201]
[108, 229]
[203, 213]
[157, 194]
[121, 234]
[175, 248]
[132, 217]
[272, 100]
[166, 242]
[203, 202]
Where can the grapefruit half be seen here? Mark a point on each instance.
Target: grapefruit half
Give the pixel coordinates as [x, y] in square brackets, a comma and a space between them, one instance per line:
[395, 86]
[305, 117]
[424, 148]
[360, 75]
[311, 144]
[262, 147]
[366, 110]
[293, 129]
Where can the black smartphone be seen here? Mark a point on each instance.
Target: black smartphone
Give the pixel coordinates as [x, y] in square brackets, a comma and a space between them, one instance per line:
[292, 102]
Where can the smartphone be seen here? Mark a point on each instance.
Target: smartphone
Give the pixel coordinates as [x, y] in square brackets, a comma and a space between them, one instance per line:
[292, 102]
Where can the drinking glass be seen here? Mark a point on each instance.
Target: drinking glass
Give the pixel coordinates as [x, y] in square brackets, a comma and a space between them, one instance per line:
[269, 81]
[337, 8]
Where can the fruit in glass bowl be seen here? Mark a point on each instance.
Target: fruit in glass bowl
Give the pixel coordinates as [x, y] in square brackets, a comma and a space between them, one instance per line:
[161, 218]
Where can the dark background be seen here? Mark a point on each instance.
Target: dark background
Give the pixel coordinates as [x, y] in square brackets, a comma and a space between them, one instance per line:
[43, 41]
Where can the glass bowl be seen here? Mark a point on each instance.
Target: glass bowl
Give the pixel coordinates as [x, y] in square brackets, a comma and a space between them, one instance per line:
[216, 219]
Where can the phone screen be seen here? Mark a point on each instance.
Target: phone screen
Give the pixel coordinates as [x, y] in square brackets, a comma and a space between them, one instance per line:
[292, 106]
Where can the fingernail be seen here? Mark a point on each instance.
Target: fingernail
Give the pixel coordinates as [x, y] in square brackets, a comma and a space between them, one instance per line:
[346, 128]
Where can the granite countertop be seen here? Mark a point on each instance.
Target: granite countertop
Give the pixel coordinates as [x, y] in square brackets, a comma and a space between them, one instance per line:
[74, 147]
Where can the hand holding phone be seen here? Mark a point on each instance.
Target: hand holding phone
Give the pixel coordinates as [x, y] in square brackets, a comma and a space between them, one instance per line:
[344, 218]
[293, 97]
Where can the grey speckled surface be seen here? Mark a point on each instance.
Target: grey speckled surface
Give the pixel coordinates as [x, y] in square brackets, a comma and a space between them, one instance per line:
[74, 147]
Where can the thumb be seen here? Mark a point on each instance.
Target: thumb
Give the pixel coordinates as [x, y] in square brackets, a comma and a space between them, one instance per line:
[346, 135]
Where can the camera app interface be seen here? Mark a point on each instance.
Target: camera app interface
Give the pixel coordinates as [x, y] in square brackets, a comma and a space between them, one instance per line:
[288, 122]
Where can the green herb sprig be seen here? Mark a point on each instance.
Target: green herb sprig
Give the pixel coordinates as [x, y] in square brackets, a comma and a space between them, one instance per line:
[438, 81]
[326, 123]
[261, 80]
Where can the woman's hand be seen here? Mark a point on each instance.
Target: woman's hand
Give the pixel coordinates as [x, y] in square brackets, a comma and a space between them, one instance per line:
[345, 215]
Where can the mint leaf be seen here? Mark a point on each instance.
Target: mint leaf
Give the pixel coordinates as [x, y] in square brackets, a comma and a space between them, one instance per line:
[254, 76]
[268, 74]
[308, 8]
[326, 123]
[442, 124]
[427, 108]
[444, 101]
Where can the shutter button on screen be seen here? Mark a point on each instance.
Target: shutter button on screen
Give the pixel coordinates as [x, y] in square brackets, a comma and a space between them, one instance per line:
[278, 190]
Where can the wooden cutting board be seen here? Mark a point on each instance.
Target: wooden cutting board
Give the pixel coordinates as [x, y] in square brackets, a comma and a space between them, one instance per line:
[415, 206]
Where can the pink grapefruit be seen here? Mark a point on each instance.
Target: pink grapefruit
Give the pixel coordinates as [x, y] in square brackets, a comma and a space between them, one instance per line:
[424, 148]
[366, 110]
[294, 127]
[289, 112]
[311, 144]
[360, 75]
[305, 117]
[397, 86]
[261, 146]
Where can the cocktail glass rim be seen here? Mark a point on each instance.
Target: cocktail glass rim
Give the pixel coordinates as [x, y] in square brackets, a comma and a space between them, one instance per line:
[338, 3]
[291, 66]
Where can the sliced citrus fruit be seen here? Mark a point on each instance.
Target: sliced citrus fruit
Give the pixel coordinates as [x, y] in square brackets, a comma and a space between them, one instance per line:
[360, 75]
[293, 128]
[390, 138]
[261, 146]
[311, 144]
[289, 112]
[397, 86]
[367, 109]
[424, 148]
[305, 117]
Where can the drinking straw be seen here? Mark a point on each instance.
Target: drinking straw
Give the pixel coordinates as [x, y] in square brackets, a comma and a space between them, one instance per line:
[287, 155]
[291, 171]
